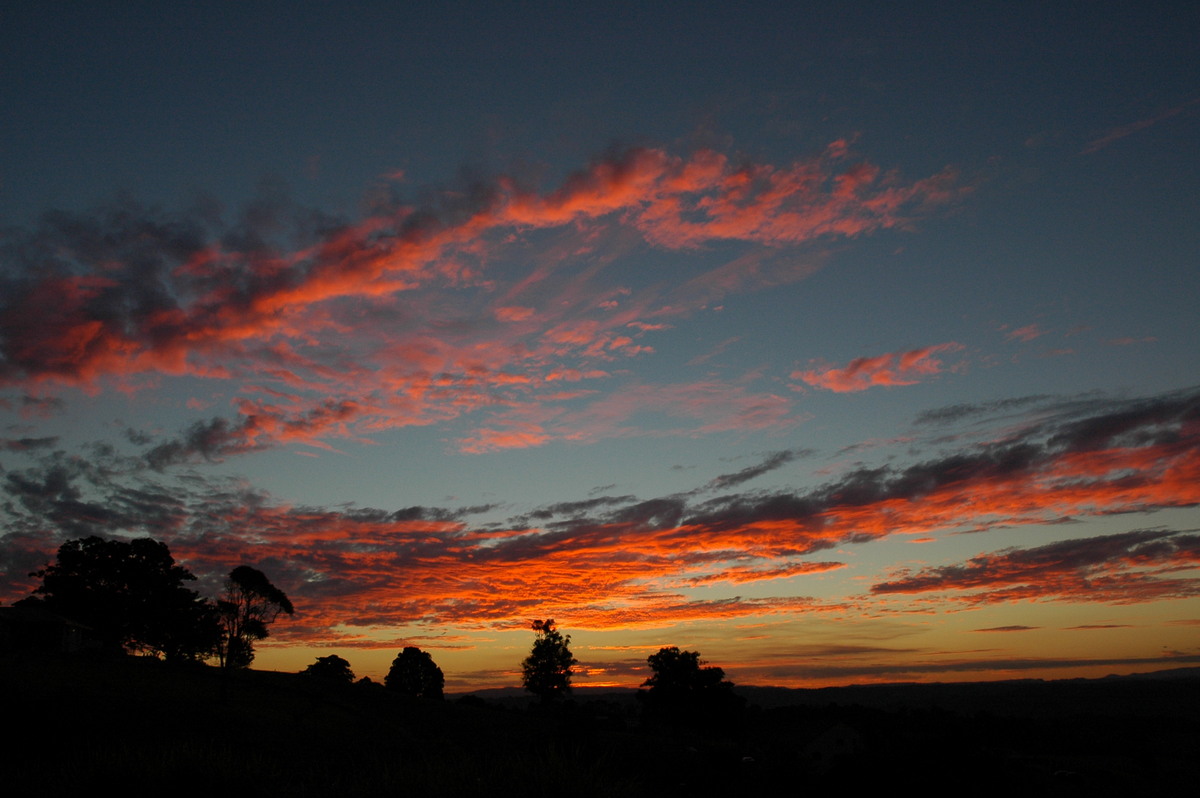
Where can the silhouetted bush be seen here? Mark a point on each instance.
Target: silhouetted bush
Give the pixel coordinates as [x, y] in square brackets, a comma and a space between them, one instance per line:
[330, 670]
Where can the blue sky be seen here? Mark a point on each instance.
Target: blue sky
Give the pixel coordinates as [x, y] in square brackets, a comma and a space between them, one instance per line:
[841, 344]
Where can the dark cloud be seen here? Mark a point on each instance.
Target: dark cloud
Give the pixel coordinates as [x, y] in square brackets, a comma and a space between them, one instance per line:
[1009, 629]
[138, 437]
[62, 305]
[576, 509]
[1162, 428]
[651, 514]
[1106, 568]
[210, 440]
[868, 486]
[1144, 422]
[68, 312]
[27, 444]
[48, 498]
[770, 463]
[421, 513]
[958, 412]
[40, 406]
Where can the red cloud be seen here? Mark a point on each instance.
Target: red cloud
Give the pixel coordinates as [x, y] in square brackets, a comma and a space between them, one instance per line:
[225, 296]
[395, 320]
[517, 436]
[616, 561]
[514, 313]
[1026, 334]
[897, 368]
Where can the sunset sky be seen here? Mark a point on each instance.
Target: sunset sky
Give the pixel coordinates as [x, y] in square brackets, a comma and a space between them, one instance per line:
[842, 343]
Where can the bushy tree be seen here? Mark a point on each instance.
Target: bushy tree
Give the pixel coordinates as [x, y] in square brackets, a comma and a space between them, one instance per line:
[415, 674]
[250, 604]
[330, 670]
[678, 671]
[193, 634]
[132, 595]
[546, 672]
[683, 689]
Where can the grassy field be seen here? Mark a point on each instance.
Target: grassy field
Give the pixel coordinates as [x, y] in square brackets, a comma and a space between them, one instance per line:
[141, 727]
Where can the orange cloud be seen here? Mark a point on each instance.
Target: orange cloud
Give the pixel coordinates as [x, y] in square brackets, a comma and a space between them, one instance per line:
[896, 368]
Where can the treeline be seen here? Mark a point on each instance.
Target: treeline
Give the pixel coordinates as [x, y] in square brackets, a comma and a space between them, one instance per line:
[132, 597]
[413, 673]
[681, 689]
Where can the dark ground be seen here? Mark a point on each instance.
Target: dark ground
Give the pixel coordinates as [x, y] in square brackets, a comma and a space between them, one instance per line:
[141, 727]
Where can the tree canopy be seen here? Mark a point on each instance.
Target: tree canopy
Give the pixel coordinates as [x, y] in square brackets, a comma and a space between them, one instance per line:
[330, 670]
[250, 604]
[132, 595]
[546, 672]
[678, 671]
[683, 688]
[414, 673]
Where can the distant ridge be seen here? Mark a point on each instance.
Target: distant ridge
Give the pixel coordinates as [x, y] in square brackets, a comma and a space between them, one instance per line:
[1010, 696]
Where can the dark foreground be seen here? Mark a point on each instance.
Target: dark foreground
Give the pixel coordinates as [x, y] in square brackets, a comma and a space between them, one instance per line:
[141, 727]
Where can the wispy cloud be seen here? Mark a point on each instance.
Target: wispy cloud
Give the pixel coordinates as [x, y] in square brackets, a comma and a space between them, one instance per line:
[1025, 334]
[415, 315]
[1117, 133]
[772, 462]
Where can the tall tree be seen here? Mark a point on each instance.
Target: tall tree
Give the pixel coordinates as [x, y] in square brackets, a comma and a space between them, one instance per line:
[131, 594]
[546, 672]
[250, 604]
[414, 673]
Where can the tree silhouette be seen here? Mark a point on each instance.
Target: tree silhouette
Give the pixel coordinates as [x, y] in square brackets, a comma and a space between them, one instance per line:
[414, 673]
[132, 595]
[546, 672]
[330, 670]
[682, 688]
[250, 604]
[678, 671]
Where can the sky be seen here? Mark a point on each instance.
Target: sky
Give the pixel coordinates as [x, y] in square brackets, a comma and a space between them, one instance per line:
[841, 344]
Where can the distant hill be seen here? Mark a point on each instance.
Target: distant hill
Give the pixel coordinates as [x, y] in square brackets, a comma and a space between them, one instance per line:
[1139, 694]
[1012, 696]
